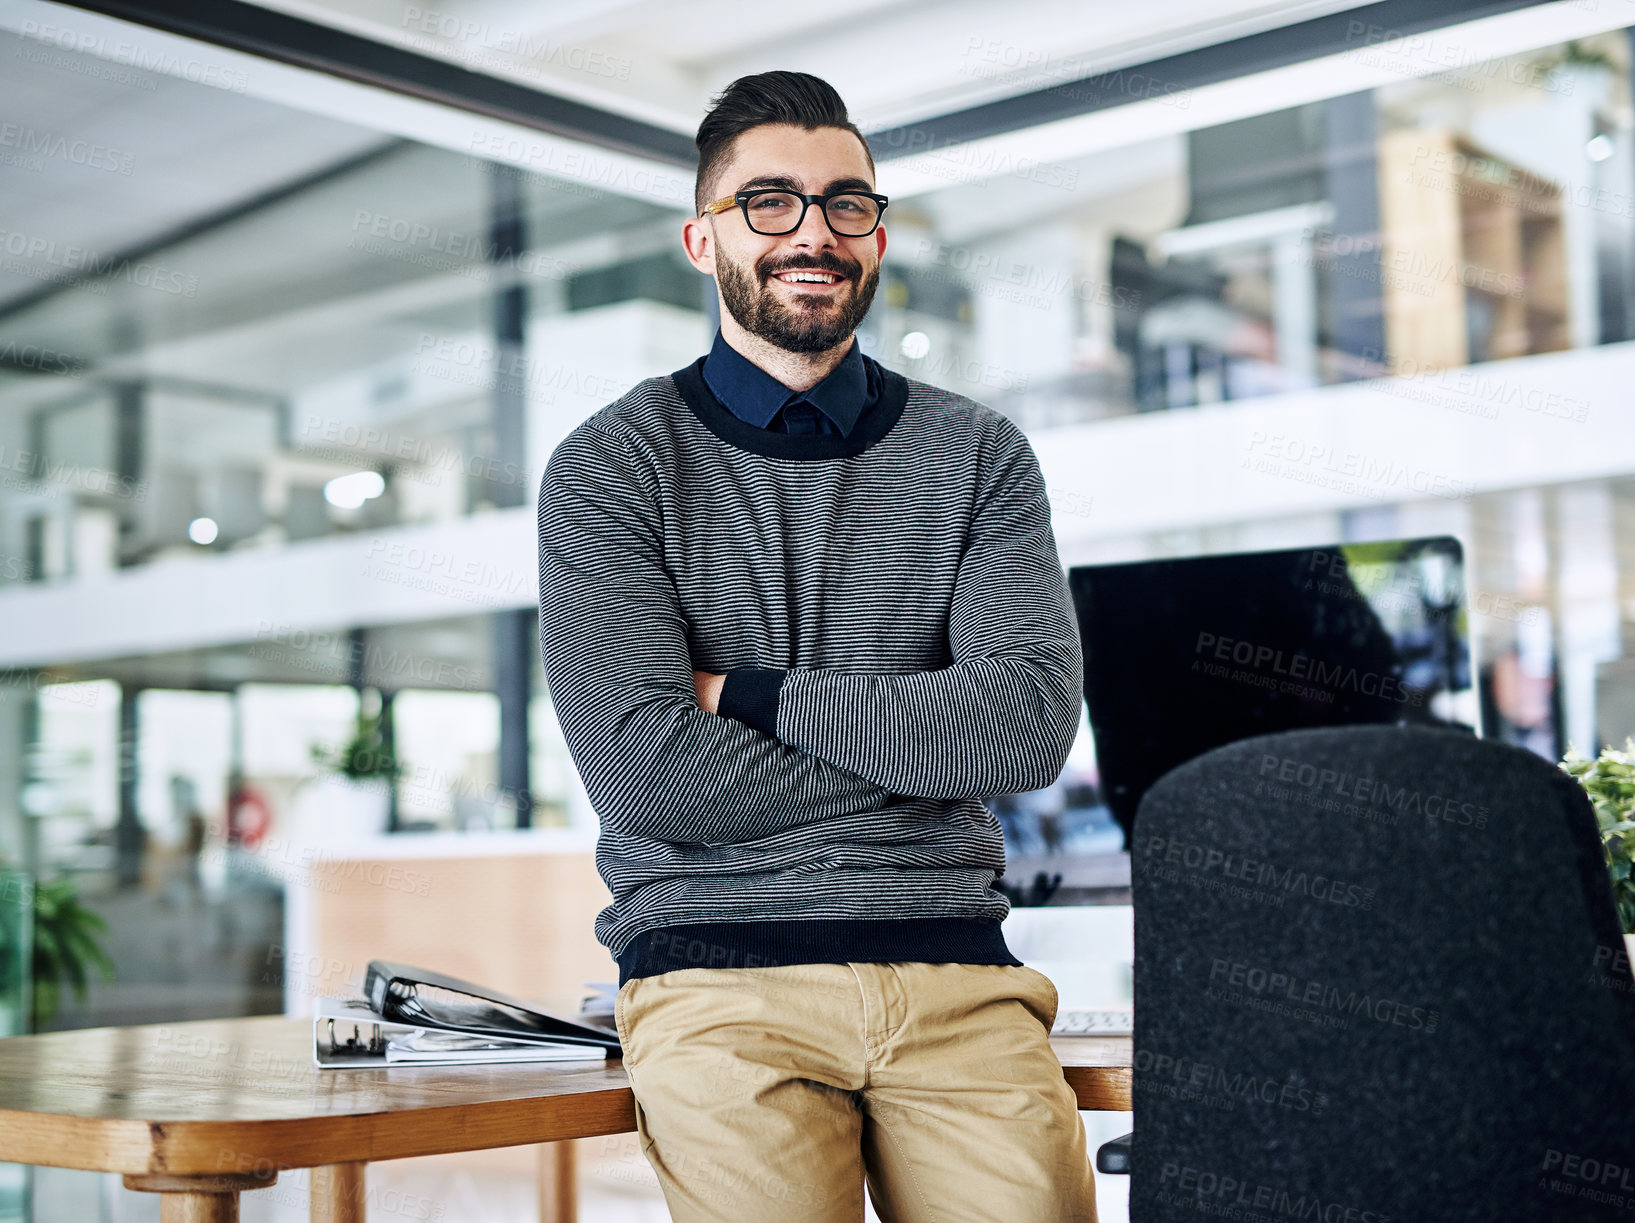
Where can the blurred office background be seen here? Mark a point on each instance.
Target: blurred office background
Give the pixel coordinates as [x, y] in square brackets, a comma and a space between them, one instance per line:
[282, 355]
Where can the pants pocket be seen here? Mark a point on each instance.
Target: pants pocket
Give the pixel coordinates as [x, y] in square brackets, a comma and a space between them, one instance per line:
[621, 1021]
[644, 1135]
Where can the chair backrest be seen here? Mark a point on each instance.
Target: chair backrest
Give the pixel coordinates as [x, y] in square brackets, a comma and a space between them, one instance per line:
[1378, 975]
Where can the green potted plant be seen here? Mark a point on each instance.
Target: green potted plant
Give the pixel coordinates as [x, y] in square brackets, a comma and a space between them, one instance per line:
[1579, 70]
[365, 756]
[1609, 780]
[353, 794]
[65, 947]
[16, 950]
[47, 939]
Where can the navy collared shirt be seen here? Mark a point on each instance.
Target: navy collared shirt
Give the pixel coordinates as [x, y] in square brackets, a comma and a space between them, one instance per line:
[754, 396]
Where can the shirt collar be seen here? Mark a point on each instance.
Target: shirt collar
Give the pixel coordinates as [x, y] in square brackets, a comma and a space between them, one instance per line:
[751, 394]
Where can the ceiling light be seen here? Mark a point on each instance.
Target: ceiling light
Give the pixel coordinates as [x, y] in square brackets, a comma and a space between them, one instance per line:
[915, 345]
[202, 530]
[349, 492]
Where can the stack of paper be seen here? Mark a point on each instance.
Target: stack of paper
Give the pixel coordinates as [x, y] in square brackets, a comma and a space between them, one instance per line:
[349, 1033]
[599, 1006]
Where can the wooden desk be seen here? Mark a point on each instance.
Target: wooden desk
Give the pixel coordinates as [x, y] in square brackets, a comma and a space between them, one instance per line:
[201, 1111]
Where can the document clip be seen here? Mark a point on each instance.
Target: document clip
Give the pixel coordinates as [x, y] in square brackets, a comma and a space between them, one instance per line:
[355, 1044]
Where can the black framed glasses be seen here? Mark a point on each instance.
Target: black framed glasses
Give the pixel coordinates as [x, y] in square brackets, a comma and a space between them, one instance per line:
[770, 211]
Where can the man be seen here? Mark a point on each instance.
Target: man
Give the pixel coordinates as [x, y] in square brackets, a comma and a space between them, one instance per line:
[798, 614]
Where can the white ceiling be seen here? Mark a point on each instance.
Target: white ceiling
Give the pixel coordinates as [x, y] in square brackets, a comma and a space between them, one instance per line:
[893, 61]
[658, 60]
[196, 152]
[172, 160]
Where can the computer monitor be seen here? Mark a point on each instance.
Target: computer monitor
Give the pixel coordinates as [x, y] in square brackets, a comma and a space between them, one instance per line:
[1185, 655]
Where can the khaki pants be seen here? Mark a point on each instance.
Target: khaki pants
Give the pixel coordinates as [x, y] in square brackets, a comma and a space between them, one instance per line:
[768, 1095]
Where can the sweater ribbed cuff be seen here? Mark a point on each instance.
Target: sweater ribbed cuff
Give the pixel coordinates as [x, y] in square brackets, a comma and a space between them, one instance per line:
[750, 694]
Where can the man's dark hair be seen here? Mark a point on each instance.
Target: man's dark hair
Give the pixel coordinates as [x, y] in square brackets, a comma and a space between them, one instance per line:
[767, 97]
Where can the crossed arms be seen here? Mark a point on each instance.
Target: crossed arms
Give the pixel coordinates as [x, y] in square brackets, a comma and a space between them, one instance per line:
[657, 763]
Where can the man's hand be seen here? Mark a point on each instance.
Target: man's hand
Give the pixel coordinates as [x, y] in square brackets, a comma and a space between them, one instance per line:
[708, 687]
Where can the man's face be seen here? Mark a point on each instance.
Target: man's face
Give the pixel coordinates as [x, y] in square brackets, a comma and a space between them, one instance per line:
[797, 317]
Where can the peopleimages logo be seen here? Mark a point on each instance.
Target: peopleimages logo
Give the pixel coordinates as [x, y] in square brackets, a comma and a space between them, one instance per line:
[533, 50]
[1401, 799]
[1598, 1171]
[35, 357]
[72, 258]
[1231, 1198]
[1332, 677]
[135, 55]
[54, 144]
[1322, 464]
[1595, 1180]
[1270, 985]
[35, 467]
[1202, 1078]
[1172, 851]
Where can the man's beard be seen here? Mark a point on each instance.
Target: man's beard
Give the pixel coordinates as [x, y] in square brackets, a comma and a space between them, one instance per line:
[794, 328]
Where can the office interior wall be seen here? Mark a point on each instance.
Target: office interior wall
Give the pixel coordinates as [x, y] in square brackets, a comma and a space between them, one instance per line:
[334, 318]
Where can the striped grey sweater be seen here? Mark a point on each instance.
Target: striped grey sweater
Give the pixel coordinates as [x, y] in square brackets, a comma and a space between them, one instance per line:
[892, 616]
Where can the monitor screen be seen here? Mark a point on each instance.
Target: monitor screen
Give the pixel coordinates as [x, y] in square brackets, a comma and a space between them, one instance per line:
[1185, 655]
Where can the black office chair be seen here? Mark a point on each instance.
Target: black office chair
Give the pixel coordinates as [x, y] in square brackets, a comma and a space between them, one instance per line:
[1378, 973]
